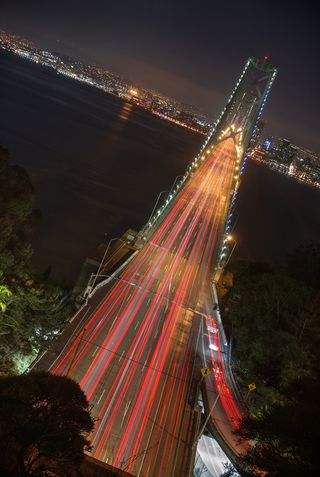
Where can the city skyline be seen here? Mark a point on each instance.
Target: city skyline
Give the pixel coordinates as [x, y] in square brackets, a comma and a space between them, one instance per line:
[175, 49]
[110, 82]
[192, 117]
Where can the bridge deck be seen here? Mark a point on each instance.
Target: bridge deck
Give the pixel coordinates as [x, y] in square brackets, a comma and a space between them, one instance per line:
[135, 357]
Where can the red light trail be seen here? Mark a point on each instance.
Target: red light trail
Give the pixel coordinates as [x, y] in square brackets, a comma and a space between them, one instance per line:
[135, 359]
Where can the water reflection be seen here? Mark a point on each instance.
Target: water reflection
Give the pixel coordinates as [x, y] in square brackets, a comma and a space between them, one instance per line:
[125, 111]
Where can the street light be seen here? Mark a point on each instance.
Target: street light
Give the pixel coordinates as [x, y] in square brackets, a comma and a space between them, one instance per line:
[155, 205]
[103, 258]
[208, 416]
[230, 239]
[174, 183]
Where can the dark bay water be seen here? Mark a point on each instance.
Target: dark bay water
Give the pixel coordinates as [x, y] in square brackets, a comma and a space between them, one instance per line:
[276, 214]
[98, 164]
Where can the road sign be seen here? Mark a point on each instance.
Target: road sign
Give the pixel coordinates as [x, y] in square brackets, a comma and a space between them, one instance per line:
[251, 387]
[205, 371]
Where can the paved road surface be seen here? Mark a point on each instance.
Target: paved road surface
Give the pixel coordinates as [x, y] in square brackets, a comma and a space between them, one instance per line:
[135, 358]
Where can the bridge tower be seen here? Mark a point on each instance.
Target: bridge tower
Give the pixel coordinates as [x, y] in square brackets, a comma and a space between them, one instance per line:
[239, 119]
[246, 102]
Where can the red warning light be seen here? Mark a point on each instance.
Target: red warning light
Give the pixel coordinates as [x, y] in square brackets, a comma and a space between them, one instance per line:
[266, 57]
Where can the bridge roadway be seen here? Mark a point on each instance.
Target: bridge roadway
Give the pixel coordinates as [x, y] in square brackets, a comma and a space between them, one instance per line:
[229, 408]
[135, 357]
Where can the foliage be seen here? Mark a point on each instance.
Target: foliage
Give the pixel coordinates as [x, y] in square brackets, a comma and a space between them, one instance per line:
[30, 322]
[5, 295]
[286, 436]
[275, 321]
[275, 326]
[29, 315]
[16, 203]
[44, 425]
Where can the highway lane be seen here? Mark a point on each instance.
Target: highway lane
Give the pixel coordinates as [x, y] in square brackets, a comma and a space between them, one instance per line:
[135, 357]
[229, 408]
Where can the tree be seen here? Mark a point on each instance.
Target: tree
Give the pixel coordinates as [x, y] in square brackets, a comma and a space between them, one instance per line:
[31, 321]
[286, 436]
[44, 425]
[33, 317]
[16, 203]
[275, 327]
[5, 295]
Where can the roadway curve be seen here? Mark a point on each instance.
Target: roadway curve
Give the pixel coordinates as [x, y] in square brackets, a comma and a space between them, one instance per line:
[135, 358]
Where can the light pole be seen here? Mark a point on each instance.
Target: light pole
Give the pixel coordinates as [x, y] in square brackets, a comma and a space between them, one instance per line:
[174, 183]
[102, 261]
[208, 416]
[155, 205]
[230, 239]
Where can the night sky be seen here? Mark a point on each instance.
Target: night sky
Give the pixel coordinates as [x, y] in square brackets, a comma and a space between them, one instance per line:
[193, 51]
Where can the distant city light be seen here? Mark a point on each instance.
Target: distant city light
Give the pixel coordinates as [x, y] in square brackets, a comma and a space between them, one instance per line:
[98, 77]
[133, 92]
[279, 154]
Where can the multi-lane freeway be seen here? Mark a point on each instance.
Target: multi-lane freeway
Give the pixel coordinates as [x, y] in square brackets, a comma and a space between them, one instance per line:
[135, 356]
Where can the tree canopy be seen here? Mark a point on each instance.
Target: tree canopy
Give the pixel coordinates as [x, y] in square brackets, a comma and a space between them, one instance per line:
[29, 314]
[274, 321]
[273, 316]
[44, 425]
[285, 436]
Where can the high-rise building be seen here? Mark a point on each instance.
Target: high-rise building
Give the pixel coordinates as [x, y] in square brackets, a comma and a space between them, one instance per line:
[280, 149]
[283, 156]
